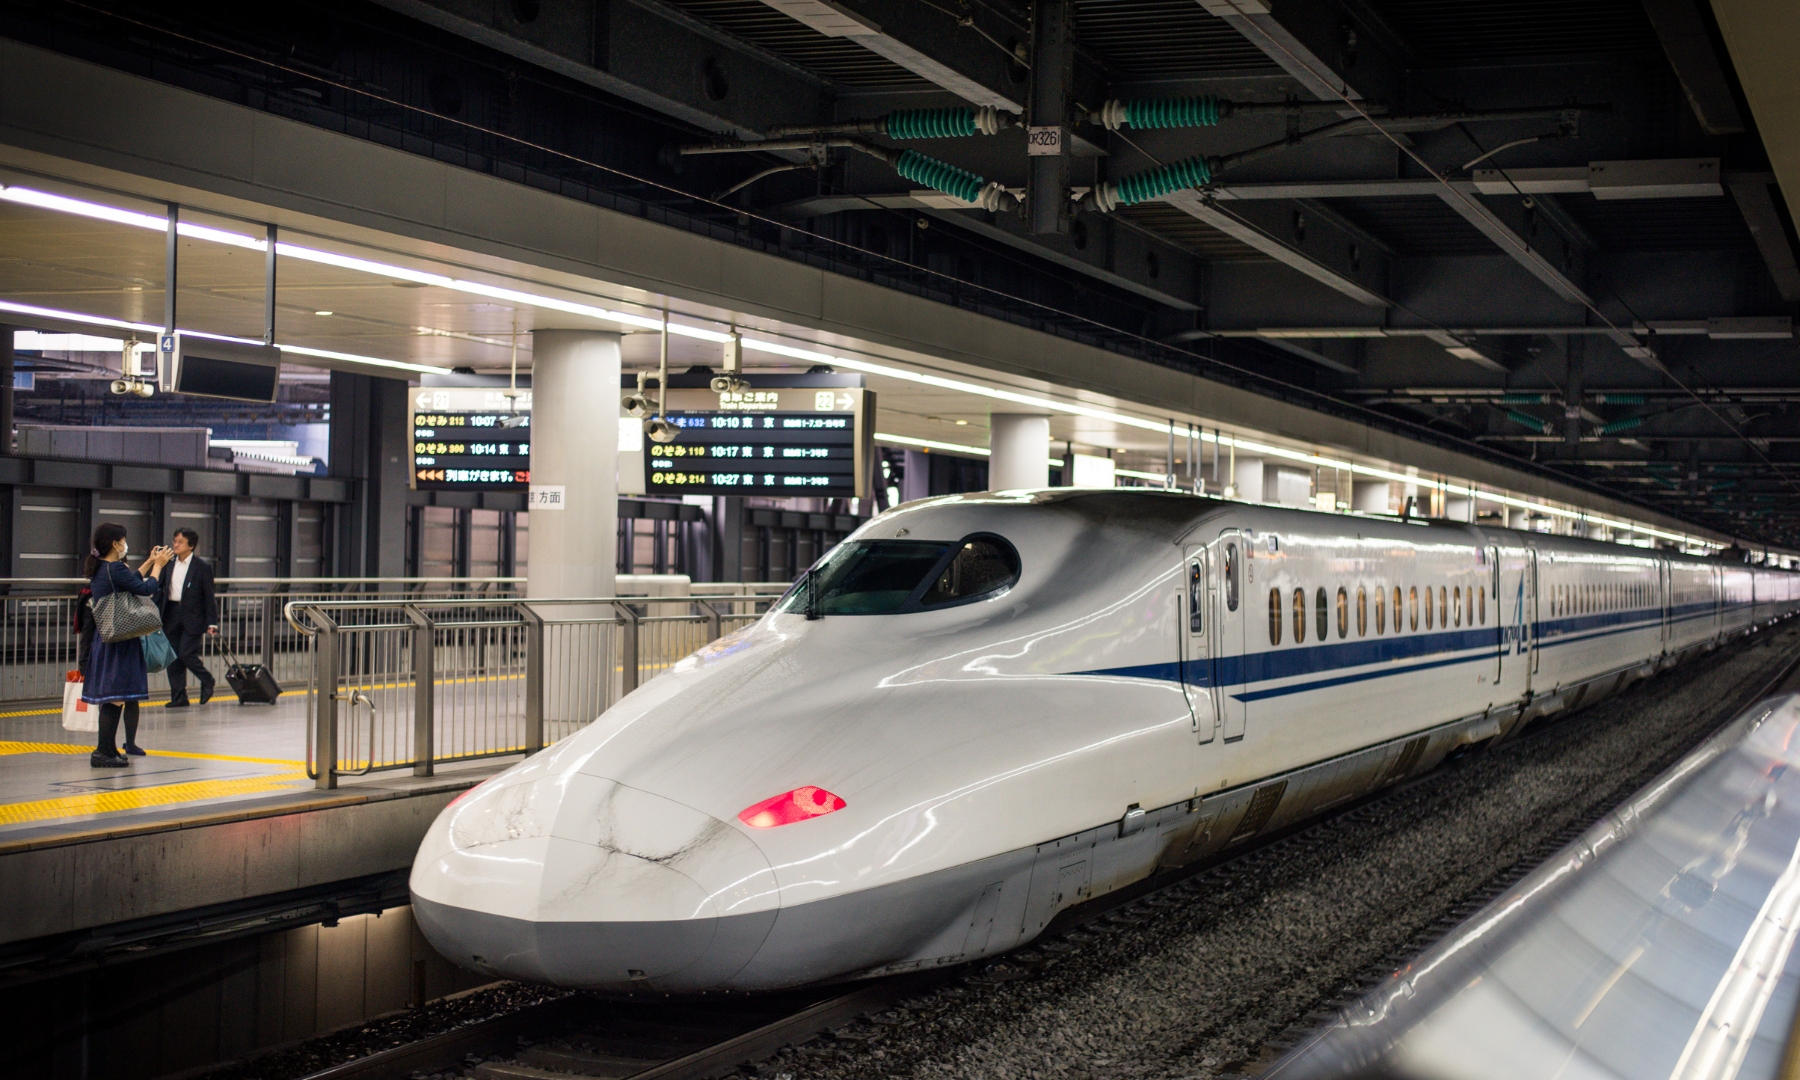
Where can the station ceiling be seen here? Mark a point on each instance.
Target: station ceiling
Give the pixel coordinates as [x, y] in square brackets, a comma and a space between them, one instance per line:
[1549, 230]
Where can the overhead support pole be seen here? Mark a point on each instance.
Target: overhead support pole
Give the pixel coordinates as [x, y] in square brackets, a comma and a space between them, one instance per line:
[1047, 137]
[165, 354]
[269, 289]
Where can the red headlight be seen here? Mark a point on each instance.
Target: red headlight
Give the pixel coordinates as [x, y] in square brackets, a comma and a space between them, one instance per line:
[785, 809]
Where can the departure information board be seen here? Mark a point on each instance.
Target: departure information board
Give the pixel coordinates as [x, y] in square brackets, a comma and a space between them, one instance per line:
[468, 438]
[764, 441]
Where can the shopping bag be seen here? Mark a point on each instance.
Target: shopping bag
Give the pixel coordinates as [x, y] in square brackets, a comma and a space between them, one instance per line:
[158, 653]
[78, 715]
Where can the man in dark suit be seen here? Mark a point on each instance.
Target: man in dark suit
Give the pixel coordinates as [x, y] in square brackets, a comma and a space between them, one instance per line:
[190, 611]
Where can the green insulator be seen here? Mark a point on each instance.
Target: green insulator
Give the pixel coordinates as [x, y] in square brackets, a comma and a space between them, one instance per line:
[1616, 426]
[955, 123]
[940, 175]
[1155, 183]
[1619, 399]
[1522, 399]
[1202, 111]
[1528, 420]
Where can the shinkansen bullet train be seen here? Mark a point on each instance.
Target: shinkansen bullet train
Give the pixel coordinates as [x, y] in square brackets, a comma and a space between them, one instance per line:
[980, 710]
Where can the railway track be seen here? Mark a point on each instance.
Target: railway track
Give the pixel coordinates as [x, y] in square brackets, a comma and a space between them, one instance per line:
[843, 1032]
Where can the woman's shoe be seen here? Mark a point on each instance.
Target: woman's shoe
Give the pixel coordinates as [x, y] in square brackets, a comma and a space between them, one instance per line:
[103, 761]
[134, 750]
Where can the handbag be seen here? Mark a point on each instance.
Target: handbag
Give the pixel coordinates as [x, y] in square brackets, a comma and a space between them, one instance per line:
[78, 715]
[158, 653]
[121, 616]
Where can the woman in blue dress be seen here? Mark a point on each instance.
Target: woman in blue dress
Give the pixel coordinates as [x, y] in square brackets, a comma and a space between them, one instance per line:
[116, 677]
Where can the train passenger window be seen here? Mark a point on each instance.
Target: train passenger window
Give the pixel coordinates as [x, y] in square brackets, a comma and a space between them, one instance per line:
[1429, 622]
[1274, 616]
[1443, 607]
[1323, 607]
[1362, 611]
[983, 565]
[1481, 594]
[1299, 616]
[1231, 577]
[1381, 611]
[1196, 598]
[1458, 591]
[1343, 613]
[1412, 605]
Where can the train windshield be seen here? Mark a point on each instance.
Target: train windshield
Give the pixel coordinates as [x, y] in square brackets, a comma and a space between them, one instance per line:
[884, 577]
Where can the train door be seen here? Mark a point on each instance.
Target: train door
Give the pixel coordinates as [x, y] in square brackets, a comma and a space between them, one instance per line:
[1665, 601]
[1528, 614]
[1493, 560]
[1196, 645]
[1231, 612]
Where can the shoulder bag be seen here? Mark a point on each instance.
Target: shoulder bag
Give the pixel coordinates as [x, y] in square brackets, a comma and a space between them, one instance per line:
[121, 616]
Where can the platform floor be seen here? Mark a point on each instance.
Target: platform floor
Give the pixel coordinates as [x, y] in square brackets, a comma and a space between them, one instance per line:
[200, 758]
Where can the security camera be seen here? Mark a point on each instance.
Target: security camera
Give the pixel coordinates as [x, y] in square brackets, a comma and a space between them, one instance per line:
[637, 405]
[143, 389]
[661, 430]
[513, 421]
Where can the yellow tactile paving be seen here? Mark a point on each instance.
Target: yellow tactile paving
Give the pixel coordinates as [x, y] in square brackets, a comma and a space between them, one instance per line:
[14, 747]
[106, 802]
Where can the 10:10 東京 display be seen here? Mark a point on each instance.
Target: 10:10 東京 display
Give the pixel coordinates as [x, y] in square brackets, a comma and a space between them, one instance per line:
[775, 441]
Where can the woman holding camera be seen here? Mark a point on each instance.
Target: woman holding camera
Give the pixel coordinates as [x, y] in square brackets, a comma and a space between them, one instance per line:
[116, 675]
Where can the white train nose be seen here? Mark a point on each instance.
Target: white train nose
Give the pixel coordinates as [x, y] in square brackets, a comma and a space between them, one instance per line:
[582, 881]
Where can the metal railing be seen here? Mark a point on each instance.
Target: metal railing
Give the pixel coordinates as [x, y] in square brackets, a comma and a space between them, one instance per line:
[37, 623]
[453, 679]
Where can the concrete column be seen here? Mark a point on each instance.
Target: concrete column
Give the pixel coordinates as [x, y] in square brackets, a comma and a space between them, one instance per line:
[6, 391]
[1020, 451]
[1248, 478]
[1369, 496]
[574, 446]
[915, 482]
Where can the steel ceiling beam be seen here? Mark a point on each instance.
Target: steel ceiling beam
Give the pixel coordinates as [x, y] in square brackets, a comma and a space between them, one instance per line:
[1755, 197]
[650, 54]
[1327, 258]
[1315, 44]
[1689, 46]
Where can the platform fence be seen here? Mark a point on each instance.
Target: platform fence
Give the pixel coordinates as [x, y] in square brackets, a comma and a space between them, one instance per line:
[413, 683]
[37, 623]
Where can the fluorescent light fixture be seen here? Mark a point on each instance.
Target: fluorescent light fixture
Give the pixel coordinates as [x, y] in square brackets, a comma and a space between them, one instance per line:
[154, 330]
[954, 448]
[117, 215]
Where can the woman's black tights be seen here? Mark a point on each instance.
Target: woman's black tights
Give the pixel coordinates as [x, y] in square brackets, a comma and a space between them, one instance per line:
[109, 726]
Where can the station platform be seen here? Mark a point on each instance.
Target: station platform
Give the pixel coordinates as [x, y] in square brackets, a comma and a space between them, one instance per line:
[219, 810]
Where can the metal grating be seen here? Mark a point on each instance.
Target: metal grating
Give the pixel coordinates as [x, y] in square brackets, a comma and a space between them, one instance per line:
[1149, 39]
[1184, 230]
[839, 60]
[1450, 32]
[1415, 225]
[1661, 224]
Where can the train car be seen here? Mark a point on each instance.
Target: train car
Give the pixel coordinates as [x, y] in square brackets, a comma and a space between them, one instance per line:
[982, 709]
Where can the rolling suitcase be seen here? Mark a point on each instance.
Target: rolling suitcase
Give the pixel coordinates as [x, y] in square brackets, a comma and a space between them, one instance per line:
[251, 682]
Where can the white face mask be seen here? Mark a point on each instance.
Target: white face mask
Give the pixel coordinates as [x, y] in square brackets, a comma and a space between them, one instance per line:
[124, 549]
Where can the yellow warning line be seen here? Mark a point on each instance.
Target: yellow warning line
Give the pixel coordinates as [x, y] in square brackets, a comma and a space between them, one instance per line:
[106, 802]
[58, 711]
[15, 747]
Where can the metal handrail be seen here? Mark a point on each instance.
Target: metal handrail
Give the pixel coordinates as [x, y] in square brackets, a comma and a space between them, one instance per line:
[292, 606]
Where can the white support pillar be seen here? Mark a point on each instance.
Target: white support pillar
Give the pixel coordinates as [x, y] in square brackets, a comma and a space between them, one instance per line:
[574, 447]
[1370, 496]
[1019, 451]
